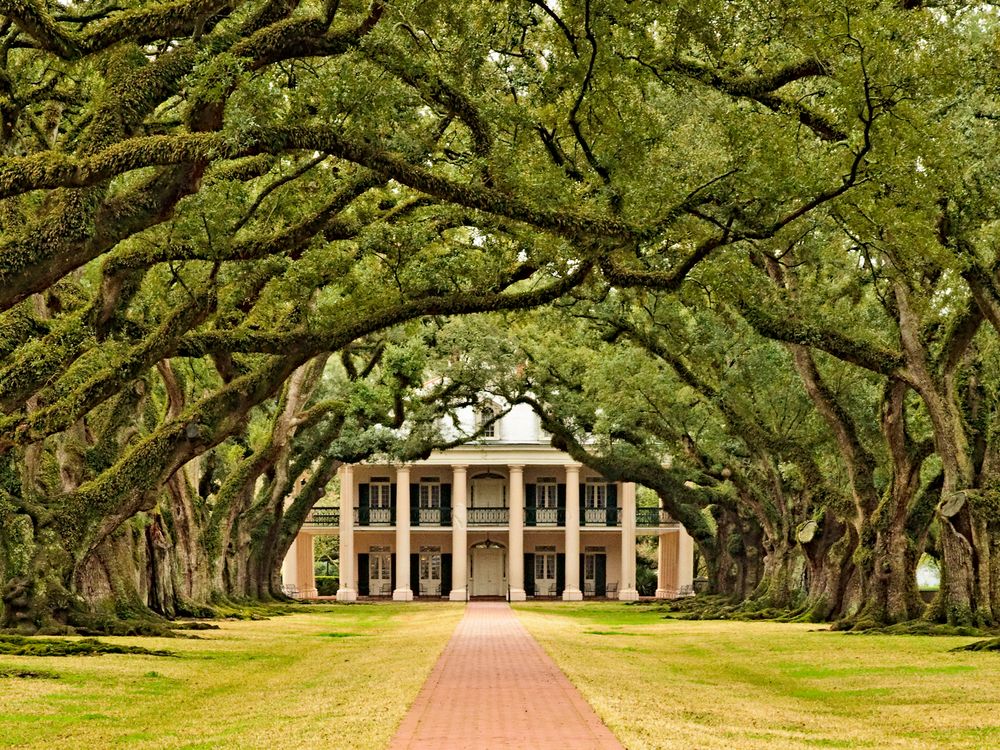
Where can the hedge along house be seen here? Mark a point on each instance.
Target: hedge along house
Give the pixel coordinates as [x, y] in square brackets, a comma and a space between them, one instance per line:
[508, 516]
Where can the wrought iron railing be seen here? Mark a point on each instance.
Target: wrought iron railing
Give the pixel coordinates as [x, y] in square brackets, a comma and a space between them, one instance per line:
[652, 517]
[544, 516]
[323, 517]
[430, 516]
[374, 516]
[488, 516]
[601, 517]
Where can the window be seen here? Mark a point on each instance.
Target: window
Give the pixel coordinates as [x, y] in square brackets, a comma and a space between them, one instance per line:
[487, 420]
[380, 493]
[430, 493]
[546, 492]
[545, 564]
[596, 495]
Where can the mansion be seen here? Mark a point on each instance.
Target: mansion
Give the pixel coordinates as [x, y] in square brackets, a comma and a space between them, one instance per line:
[506, 516]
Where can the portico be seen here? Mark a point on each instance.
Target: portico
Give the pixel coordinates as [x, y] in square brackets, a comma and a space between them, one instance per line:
[508, 516]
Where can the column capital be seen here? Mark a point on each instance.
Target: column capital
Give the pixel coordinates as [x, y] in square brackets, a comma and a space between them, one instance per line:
[515, 467]
[403, 469]
[573, 468]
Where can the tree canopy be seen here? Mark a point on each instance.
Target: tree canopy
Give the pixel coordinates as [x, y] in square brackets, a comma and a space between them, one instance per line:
[236, 237]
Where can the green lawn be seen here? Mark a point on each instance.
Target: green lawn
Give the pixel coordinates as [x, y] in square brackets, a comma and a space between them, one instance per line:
[332, 677]
[683, 684]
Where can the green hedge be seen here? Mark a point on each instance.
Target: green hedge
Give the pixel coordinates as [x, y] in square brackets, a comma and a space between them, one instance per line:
[327, 585]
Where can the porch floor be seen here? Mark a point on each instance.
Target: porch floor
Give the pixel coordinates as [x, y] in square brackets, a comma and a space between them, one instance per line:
[495, 687]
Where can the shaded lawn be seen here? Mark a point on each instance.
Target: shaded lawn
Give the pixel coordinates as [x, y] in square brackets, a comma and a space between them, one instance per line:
[332, 676]
[718, 684]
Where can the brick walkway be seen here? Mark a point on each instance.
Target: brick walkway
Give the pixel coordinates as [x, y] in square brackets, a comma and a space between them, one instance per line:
[494, 687]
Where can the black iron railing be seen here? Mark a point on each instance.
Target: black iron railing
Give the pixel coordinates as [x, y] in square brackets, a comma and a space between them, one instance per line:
[430, 516]
[652, 517]
[324, 517]
[601, 517]
[488, 516]
[544, 516]
[374, 516]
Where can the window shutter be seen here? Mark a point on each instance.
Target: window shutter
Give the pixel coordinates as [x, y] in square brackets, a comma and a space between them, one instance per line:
[364, 502]
[600, 575]
[415, 573]
[561, 496]
[445, 573]
[363, 574]
[583, 571]
[613, 504]
[392, 573]
[529, 496]
[529, 574]
[560, 573]
[392, 509]
[446, 517]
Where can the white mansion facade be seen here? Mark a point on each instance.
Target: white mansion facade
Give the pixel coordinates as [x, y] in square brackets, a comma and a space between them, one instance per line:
[507, 516]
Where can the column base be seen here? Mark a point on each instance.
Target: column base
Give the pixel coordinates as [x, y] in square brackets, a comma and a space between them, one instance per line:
[572, 595]
[347, 595]
[518, 595]
[308, 593]
[628, 595]
[458, 595]
[666, 594]
[402, 595]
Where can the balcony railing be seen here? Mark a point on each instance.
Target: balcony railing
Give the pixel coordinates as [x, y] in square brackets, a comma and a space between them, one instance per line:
[544, 516]
[488, 516]
[374, 516]
[601, 517]
[430, 516]
[323, 517]
[652, 517]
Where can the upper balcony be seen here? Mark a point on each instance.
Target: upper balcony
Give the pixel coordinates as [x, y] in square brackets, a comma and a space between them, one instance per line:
[645, 518]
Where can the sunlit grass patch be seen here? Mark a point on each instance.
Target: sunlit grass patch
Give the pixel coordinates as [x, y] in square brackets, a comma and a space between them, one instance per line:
[722, 684]
[293, 681]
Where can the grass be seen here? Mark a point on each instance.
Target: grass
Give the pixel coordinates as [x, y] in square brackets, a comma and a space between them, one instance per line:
[330, 676]
[717, 684]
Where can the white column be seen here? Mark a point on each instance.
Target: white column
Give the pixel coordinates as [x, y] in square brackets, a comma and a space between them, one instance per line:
[306, 566]
[289, 567]
[403, 593]
[346, 592]
[459, 533]
[572, 591]
[515, 548]
[627, 592]
[666, 568]
[685, 563]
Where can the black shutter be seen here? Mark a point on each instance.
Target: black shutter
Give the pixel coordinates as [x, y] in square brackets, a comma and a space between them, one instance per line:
[560, 573]
[530, 501]
[446, 513]
[363, 574]
[612, 504]
[392, 573]
[363, 503]
[600, 574]
[415, 573]
[445, 573]
[392, 504]
[414, 505]
[529, 573]
[582, 571]
[561, 504]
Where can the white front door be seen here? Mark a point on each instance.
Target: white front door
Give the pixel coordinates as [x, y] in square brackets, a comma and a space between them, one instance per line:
[545, 574]
[487, 572]
[379, 574]
[430, 574]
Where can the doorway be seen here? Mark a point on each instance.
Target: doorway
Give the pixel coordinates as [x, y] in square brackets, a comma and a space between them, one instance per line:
[487, 566]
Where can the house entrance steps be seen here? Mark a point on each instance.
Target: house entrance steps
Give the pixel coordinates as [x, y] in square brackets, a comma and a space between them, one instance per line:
[494, 687]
